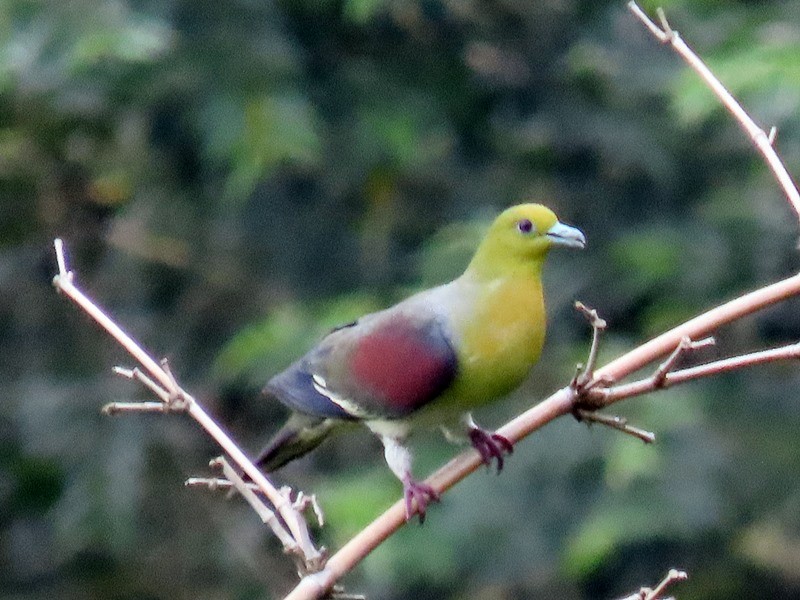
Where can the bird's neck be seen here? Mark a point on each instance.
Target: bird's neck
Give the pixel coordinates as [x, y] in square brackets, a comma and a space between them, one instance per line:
[492, 262]
[488, 266]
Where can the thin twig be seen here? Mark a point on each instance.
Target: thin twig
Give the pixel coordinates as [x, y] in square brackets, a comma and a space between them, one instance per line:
[762, 140]
[662, 36]
[61, 260]
[302, 503]
[700, 326]
[668, 365]
[656, 593]
[137, 374]
[584, 378]
[115, 408]
[216, 483]
[615, 422]
[649, 384]
[584, 384]
[673, 576]
[593, 392]
[266, 515]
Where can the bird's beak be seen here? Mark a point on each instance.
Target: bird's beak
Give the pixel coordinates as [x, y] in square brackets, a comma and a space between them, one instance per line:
[566, 236]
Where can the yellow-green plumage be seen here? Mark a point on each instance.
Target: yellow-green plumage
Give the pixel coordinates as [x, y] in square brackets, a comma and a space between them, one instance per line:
[502, 317]
[443, 350]
[501, 341]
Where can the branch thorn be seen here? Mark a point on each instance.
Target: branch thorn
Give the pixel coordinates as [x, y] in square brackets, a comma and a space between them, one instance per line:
[614, 422]
[113, 408]
[338, 593]
[63, 272]
[686, 344]
[138, 375]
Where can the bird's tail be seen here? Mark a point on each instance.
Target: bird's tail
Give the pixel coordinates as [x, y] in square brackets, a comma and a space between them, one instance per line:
[301, 434]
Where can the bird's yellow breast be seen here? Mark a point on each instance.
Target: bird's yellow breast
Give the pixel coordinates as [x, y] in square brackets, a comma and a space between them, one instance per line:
[502, 338]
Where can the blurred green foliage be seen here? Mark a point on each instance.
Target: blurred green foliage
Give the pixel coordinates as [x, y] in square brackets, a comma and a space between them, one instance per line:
[235, 178]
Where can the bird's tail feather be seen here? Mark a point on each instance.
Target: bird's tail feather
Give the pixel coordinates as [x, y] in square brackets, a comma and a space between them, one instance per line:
[301, 434]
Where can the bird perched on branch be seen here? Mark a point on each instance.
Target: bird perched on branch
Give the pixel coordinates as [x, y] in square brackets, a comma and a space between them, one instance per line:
[430, 358]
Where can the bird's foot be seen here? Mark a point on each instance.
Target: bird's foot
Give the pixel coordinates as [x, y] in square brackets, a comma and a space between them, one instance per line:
[491, 446]
[417, 496]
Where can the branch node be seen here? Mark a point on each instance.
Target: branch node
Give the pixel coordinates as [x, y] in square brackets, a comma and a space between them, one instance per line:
[138, 375]
[125, 372]
[267, 515]
[669, 33]
[168, 371]
[211, 483]
[591, 315]
[773, 132]
[640, 14]
[177, 399]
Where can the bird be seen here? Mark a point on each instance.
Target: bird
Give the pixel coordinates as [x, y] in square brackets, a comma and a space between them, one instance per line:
[430, 359]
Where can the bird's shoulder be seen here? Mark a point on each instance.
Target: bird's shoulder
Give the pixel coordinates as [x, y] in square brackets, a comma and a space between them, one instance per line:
[434, 306]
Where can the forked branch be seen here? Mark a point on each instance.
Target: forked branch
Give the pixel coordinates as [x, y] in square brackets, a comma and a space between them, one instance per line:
[661, 380]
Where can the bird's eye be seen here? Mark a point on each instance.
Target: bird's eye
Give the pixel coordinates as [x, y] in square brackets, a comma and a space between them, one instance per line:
[524, 226]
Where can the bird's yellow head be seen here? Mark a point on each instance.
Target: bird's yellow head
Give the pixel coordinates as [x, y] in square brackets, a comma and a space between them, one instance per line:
[520, 237]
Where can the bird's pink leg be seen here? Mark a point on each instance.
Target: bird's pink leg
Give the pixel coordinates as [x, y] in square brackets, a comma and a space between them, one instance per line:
[491, 446]
[417, 496]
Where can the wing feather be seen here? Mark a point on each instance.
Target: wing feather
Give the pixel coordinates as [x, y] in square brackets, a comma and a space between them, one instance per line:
[385, 365]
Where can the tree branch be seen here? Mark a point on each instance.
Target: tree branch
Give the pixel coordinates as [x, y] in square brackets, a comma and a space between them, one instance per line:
[699, 327]
[762, 140]
[162, 383]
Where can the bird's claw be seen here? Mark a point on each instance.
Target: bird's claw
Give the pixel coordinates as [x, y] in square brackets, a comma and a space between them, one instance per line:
[417, 496]
[491, 446]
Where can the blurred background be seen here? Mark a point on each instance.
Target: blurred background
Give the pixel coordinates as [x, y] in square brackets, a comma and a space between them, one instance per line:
[234, 178]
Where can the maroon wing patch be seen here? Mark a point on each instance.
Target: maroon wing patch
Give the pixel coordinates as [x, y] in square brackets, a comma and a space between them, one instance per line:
[402, 366]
